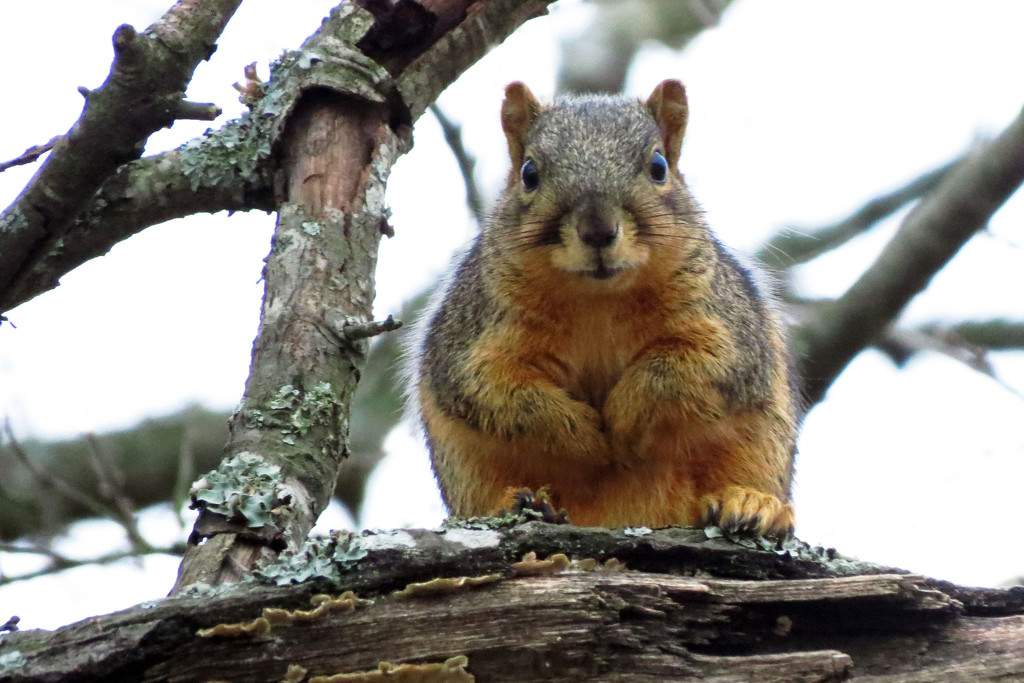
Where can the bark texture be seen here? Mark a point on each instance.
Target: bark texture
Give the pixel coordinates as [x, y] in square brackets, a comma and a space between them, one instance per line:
[674, 604]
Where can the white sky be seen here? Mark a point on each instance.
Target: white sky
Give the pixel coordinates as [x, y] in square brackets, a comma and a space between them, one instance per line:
[800, 111]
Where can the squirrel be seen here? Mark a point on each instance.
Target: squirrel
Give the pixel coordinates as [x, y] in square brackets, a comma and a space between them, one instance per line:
[597, 342]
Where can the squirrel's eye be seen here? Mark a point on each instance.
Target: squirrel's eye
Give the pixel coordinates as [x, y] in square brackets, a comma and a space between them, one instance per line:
[530, 174]
[659, 168]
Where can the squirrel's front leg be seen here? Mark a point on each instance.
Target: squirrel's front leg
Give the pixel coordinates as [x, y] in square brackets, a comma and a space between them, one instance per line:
[671, 382]
[520, 396]
[725, 466]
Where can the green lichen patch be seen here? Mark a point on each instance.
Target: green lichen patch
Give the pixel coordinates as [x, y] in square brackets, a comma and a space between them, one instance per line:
[243, 488]
[295, 412]
[240, 148]
[317, 558]
[313, 560]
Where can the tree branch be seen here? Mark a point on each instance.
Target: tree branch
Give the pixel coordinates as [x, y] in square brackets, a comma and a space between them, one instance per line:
[48, 479]
[60, 562]
[993, 335]
[143, 93]
[789, 247]
[348, 121]
[223, 170]
[928, 238]
[629, 604]
[111, 487]
[901, 343]
[597, 59]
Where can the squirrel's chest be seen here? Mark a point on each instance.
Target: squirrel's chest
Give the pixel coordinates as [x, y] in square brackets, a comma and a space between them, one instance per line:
[593, 348]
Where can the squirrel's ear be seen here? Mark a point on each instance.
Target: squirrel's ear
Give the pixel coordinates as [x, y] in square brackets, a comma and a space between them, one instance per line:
[667, 105]
[518, 112]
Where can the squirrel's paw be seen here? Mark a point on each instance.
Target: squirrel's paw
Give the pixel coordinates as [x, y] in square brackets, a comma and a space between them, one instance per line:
[533, 505]
[745, 512]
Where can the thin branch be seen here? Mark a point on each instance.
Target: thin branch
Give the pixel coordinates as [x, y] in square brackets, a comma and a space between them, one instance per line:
[142, 94]
[928, 238]
[186, 473]
[33, 549]
[453, 136]
[111, 487]
[30, 154]
[151, 191]
[60, 562]
[789, 247]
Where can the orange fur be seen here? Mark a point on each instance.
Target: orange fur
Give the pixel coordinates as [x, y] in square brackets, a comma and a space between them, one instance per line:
[631, 463]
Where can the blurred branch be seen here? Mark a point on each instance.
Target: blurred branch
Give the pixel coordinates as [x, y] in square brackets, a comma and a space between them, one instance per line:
[46, 478]
[111, 486]
[59, 562]
[144, 92]
[598, 58]
[789, 248]
[453, 136]
[959, 342]
[149, 455]
[994, 335]
[929, 237]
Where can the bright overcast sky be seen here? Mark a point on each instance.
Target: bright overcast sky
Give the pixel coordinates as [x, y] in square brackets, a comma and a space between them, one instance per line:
[800, 111]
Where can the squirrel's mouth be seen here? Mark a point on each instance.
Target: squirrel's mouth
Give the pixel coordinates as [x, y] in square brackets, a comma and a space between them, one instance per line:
[603, 272]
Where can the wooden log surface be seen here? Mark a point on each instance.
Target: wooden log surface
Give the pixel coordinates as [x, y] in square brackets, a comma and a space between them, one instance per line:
[635, 604]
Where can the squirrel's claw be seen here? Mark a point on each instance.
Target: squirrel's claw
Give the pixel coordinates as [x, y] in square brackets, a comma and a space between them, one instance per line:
[742, 511]
[536, 505]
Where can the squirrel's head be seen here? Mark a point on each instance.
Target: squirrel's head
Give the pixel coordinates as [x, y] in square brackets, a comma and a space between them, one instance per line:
[594, 190]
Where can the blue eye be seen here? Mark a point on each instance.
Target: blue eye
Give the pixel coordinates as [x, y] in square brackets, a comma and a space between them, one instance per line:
[530, 175]
[659, 168]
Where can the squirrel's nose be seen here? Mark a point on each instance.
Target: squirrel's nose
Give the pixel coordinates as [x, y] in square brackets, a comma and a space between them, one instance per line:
[597, 233]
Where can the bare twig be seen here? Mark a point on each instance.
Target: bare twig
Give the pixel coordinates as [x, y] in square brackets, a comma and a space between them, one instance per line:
[453, 136]
[350, 331]
[928, 238]
[30, 154]
[790, 247]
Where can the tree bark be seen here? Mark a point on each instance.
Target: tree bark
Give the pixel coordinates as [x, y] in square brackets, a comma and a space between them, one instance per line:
[341, 109]
[686, 604]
